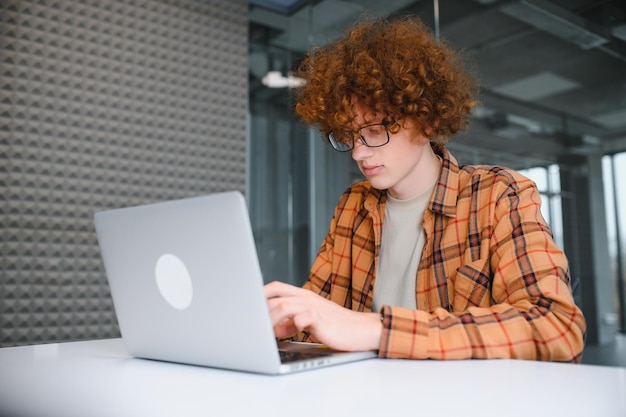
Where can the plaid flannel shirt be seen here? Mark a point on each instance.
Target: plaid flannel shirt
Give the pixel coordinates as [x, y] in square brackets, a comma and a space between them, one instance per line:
[491, 282]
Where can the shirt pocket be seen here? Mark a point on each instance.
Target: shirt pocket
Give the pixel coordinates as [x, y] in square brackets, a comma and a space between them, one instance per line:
[472, 286]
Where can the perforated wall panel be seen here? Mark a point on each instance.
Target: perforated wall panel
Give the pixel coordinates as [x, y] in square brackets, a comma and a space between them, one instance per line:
[105, 104]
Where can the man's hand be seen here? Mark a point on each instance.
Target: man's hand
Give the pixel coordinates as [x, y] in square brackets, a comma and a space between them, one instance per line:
[294, 309]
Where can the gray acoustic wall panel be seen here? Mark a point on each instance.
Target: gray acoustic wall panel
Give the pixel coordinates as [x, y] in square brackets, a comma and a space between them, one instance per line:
[105, 104]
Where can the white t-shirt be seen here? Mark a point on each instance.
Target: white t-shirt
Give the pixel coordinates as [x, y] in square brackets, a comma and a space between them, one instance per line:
[400, 251]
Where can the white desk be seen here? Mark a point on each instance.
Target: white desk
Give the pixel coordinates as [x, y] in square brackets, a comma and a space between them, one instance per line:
[99, 379]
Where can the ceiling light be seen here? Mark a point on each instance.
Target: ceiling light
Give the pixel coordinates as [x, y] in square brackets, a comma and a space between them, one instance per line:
[276, 79]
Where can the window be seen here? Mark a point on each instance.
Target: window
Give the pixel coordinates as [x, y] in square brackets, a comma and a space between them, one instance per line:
[614, 174]
[549, 185]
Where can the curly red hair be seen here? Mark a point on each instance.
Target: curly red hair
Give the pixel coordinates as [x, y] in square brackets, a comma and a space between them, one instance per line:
[393, 67]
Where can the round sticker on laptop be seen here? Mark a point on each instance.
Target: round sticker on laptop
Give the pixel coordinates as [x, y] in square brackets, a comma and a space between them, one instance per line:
[174, 281]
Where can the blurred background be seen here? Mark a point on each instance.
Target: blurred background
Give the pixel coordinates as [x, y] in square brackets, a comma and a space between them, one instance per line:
[553, 105]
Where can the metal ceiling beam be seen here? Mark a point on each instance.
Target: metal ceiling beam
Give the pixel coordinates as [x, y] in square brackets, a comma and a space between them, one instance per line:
[558, 121]
[284, 7]
[562, 23]
[558, 21]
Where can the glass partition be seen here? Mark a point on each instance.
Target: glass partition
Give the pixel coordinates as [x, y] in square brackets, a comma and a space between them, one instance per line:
[614, 173]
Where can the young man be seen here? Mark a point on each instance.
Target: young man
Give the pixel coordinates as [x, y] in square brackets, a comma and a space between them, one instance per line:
[426, 258]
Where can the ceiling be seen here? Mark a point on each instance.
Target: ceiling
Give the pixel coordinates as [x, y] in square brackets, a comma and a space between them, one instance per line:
[553, 72]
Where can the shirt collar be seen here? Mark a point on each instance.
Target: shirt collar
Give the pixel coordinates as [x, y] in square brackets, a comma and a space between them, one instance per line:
[375, 199]
[447, 189]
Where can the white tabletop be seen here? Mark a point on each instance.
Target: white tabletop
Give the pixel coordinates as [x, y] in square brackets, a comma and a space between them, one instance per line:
[99, 379]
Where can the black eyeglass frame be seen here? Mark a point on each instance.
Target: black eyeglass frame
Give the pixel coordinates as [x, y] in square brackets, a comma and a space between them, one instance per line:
[340, 146]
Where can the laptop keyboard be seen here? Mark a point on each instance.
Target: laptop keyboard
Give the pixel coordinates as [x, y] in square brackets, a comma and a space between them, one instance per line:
[286, 357]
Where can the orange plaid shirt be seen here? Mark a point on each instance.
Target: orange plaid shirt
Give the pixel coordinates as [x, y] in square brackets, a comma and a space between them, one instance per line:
[491, 282]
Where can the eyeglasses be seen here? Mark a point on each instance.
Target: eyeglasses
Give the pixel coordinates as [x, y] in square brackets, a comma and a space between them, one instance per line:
[372, 136]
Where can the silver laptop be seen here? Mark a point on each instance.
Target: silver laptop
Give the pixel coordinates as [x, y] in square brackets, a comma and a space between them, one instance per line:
[187, 287]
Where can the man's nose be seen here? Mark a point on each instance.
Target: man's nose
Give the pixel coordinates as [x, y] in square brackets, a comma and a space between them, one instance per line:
[360, 151]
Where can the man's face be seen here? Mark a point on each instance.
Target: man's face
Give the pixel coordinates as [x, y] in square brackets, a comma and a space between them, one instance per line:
[401, 166]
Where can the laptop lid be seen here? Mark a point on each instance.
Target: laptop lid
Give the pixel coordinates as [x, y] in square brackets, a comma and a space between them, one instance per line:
[187, 286]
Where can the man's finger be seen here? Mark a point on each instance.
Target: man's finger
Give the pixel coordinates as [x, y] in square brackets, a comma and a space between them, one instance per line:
[280, 289]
